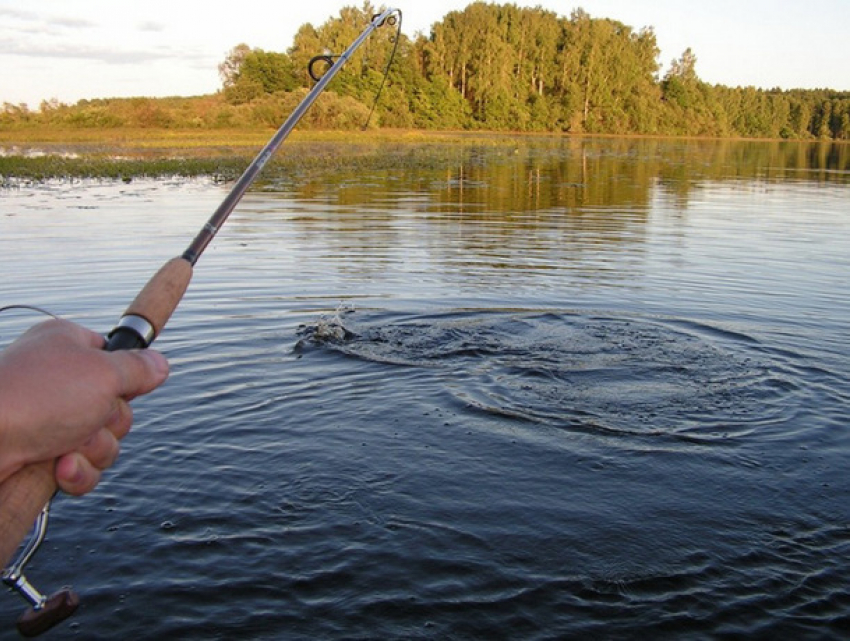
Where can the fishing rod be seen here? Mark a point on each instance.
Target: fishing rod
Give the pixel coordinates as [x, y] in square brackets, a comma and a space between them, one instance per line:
[25, 497]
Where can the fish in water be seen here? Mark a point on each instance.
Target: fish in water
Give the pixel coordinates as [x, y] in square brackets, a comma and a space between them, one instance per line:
[328, 329]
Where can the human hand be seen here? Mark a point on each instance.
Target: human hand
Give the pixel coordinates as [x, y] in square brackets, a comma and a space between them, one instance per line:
[63, 398]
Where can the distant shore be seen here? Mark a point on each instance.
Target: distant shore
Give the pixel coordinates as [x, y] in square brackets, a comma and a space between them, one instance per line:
[42, 152]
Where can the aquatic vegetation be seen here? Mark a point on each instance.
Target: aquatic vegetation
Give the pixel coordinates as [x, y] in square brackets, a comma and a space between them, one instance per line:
[54, 166]
[144, 153]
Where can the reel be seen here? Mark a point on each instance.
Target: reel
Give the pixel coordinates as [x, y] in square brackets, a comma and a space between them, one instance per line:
[44, 612]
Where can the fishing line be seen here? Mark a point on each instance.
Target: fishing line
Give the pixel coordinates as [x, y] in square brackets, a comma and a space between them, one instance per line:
[330, 59]
[390, 20]
[31, 308]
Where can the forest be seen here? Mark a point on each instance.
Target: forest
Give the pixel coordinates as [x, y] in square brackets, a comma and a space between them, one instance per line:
[489, 67]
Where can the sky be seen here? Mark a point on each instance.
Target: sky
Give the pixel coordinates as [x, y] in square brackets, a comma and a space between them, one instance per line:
[55, 49]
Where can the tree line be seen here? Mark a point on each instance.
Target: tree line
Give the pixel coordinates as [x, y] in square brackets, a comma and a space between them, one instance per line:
[487, 67]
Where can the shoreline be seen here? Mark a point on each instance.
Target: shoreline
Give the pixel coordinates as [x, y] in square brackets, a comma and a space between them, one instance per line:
[142, 138]
[43, 153]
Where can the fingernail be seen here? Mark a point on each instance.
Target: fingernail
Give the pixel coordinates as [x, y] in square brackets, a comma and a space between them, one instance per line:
[76, 475]
[157, 361]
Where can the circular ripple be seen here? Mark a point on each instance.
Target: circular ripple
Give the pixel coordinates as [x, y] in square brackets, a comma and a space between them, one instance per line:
[599, 373]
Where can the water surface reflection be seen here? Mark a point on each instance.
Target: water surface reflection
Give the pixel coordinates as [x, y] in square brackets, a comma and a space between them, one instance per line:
[555, 387]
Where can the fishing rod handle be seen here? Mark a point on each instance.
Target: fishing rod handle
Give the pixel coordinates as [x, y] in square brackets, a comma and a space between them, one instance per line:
[145, 317]
[24, 494]
[22, 498]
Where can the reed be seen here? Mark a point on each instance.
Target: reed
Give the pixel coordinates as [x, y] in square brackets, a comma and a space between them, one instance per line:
[39, 154]
[44, 153]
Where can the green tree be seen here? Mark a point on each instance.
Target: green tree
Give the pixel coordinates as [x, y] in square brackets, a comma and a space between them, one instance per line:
[822, 121]
[249, 73]
[495, 66]
[605, 69]
[232, 65]
[680, 83]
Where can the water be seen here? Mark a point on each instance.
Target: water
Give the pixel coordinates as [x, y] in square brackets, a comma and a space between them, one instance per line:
[567, 389]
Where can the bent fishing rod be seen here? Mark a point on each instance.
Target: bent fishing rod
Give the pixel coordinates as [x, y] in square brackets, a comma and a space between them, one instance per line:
[25, 496]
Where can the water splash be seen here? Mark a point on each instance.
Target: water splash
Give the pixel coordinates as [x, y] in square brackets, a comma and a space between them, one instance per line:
[329, 328]
[604, 374]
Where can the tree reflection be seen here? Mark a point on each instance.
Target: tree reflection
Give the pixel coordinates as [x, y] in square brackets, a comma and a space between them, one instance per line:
[532, 203]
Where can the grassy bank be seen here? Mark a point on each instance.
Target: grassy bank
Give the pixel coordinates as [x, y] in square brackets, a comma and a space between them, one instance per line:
[204, 141]
[41, 153]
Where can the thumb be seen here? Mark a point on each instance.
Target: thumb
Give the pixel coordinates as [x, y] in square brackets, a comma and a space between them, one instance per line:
[140, 371]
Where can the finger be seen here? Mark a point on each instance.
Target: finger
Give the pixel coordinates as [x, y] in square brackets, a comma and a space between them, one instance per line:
[121, 419]
[75, 475]
[91, 338]
[140, 371]
[60, 326]
[101, 450]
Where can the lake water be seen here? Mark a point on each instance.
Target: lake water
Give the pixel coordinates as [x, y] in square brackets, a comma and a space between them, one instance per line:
[567, 388]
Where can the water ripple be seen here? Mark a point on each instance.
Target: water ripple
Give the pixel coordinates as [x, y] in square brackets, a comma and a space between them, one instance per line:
[592, 372]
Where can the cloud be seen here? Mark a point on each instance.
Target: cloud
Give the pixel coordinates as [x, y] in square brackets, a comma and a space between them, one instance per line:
[26, 34]
[107, 55]
[72, 23]
[35, 22]
[151, 26]
[17, 13]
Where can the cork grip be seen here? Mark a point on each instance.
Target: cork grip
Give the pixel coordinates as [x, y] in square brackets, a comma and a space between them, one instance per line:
[160, 297]
[22, 497]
